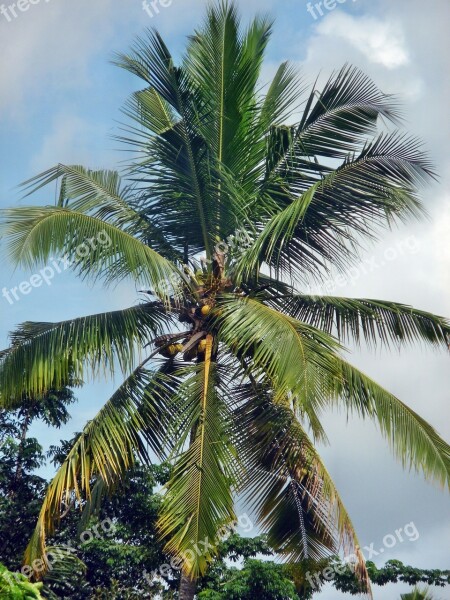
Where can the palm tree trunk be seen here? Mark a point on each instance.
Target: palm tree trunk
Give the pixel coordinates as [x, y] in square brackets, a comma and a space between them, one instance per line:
[188, 587]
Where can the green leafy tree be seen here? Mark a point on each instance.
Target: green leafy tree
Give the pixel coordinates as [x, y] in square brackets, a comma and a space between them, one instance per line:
[257, 579]
[14, 586]
[307, 577]
[117, 563]
[262, 358]
[19, 511]
[21, 490]
[394, 571]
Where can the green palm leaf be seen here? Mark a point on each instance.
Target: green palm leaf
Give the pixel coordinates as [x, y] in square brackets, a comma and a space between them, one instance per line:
[225, 69]
[292, 492]
[101, 194]
[149, 109]
[413, 440]
[292, 355]
[50, 355]
[302, 363]
[92, 247]
[371, 320]
[337, 119]
[151, 61]
[108, 446]
[329, 214]
[198, 500]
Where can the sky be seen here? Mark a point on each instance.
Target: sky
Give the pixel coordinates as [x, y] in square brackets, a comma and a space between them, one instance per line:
[60, 101]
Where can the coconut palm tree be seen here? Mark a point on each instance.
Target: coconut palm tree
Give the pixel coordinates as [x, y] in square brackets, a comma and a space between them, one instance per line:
[417, 594]
[228, 364]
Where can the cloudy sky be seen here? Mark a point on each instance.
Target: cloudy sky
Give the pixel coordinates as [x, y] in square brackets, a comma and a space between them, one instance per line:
[60, 101]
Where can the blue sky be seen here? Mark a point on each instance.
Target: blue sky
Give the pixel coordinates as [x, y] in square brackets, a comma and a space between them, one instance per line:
[60, 101]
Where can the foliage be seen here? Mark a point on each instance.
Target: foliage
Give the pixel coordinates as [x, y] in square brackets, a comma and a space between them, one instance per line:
[115, 564]
[122, 565]
[417, 594]
[21, 490]
[394, 571]
[257, 579]
[14, 586]
[307, 577]
[19, 511]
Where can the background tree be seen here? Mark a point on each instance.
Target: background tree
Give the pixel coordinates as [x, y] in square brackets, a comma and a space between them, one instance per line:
[302, 580]
[262, 360]
[394, 571]
[21, 490]
[14, 586]
[257, 579]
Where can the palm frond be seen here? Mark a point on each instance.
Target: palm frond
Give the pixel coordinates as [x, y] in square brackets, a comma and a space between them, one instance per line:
[288, 485]
[225, 66]
[101, 194]
[45, 356]
[198, 500]
[337, 119]
[375, 321]
[151, 111]
[412, 439]
[136, 415]
[281, 97]
[277, 233]
[292, 355]
[335, 123]
[180, 152]
[88, 245]
[302, 364]
[330, 215]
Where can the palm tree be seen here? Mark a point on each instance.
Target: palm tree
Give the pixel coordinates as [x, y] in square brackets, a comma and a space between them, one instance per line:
[417, 594]
[227, 364]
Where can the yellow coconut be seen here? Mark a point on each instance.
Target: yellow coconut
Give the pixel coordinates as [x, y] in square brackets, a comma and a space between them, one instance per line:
[201, 346]
[171, 350]
[206, 309]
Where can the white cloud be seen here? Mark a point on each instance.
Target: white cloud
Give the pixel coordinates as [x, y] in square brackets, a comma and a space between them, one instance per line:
[73, 140]
[381, 42]
[47, 49]
[341, 39]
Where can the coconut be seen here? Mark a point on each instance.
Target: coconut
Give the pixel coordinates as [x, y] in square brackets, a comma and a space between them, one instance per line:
[171, 350]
